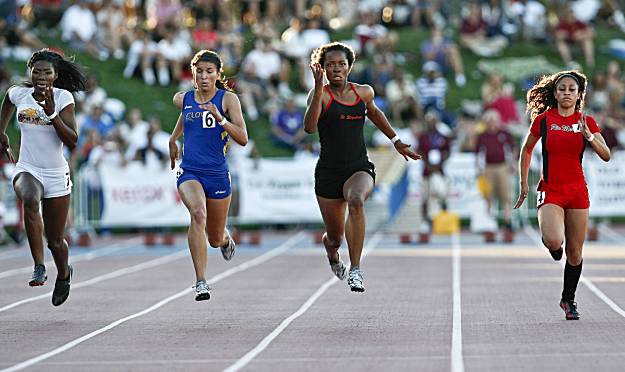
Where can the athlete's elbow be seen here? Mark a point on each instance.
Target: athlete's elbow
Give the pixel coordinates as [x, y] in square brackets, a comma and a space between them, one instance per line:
[606, 157]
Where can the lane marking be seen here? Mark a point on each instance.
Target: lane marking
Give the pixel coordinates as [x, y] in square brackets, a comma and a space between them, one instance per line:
[535, 236]
[114, 274]
[264, 343]
[79, 257]
[241, 267]
[457, 362]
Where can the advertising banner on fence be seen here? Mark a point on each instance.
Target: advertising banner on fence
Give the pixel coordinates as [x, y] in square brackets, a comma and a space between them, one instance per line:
[606, 184]
[136, 195]
[278, 191]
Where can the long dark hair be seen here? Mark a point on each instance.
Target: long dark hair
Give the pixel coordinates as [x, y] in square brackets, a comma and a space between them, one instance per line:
[206, 55]
[541, 97]
[71, 77]
[319, 54]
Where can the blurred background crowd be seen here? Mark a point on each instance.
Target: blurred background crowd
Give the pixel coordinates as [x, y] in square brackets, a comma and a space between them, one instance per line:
[450, 75]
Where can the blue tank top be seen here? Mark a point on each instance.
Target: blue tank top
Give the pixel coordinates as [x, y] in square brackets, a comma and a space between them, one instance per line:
[205, 141]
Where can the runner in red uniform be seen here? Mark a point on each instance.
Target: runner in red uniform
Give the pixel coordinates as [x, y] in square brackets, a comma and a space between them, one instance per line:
[556, 104]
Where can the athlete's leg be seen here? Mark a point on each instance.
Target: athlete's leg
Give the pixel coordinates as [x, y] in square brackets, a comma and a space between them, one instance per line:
[54, 211]
[333, 214]
[30, 191]
[356, 190]
[576, 223]
[192, 195]
[551, 222]
[217, 215]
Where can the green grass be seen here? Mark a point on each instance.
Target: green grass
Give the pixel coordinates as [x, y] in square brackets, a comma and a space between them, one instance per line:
[157, 100]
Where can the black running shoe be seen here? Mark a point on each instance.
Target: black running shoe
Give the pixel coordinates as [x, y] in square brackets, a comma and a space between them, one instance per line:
[570, 309]
[557, 254]
[61, 289]
[39, 276]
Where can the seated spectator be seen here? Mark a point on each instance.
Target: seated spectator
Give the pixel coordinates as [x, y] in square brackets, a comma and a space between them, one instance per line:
[598, 96]
[444, 51]
[204, 35]
[475, 37]
[98, 121]
[142, 53]
[287, 126]
[47, 13]
[570, 31]
[79, 28]
[151, 154]
[402, 97]
[432, 91]
[530, 16]
[134, 132]
[499, 96]
[370, 33]
[113, 29]
[174, 50]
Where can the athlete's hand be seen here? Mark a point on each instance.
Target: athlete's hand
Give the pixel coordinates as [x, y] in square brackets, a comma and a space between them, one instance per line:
[48, 101]
[317, 72]
[524, 191]
[213, 110]
[173, 153]
[5, 147]
[584, 127]
[405, 150]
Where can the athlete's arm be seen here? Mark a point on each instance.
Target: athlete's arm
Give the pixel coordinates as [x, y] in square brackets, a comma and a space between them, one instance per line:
[381, 122]
[524, 167]
[8, 108]
[65, 126]
[315, 100]
[178, 98]
[598, 143]
[236, 127]
[173, 145]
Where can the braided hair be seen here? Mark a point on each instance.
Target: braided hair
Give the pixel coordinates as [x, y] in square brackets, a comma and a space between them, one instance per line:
[71, 77]
[209, 56]
[541, 97]
[319, 54]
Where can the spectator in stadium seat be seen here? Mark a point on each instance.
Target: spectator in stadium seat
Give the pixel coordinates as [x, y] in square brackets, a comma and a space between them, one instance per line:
[498, 95]
[210, 116]
[287, 128]
[402, 96]
[474, 34]
[45, 113]
[444, 51]
[571, 31]
[344, 176]
[556, 103]
[432, 89]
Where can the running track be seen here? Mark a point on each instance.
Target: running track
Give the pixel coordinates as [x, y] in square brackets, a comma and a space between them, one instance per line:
[455, 304]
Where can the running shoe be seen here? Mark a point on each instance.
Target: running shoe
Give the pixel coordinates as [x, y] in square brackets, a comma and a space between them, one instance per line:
[570, 309]
[39, 276]
[338, 268]
[61, 288]
[227, 251]
[202, 291]
[355, 280]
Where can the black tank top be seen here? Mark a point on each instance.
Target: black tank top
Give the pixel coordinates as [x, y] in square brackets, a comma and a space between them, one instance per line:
[341, 133]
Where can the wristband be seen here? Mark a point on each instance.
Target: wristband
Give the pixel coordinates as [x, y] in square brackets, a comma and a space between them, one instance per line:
[395, 139]
[222, 122]
[592, 137]
[50, 117]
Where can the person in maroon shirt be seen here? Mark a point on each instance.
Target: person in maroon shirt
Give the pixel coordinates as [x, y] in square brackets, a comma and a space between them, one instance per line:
[556, 104]
[494, 148]
[570, 30]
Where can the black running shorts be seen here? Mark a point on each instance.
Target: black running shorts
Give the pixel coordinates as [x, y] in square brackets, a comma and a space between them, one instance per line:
[329, 181]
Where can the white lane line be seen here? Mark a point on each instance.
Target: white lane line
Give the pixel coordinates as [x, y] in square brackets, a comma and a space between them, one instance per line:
[80, 257]
[114, 274]
[264, 343]
[242, 267]
[535, 236]
[457, 361]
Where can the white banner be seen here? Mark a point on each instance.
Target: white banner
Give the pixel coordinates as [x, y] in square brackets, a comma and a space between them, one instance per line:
[136, 195]
[278, 191]
[606, 184]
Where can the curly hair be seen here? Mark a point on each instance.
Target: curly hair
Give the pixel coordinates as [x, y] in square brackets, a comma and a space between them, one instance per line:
[541, 97]
[71, 77]
[209, 56]
[319, 54]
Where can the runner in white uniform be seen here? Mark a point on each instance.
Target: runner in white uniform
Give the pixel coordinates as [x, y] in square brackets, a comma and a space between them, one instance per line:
[45, 114]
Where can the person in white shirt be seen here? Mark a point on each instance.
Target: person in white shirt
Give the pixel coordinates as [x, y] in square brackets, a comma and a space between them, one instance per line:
[45, 114]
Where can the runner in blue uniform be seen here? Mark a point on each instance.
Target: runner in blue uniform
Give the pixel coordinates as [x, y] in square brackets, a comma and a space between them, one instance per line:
[344, 176]
[210, 116]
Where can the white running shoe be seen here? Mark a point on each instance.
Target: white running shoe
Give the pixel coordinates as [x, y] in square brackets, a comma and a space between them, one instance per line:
[202, 291]
[227, 251]
[355, 280]
[338, 268]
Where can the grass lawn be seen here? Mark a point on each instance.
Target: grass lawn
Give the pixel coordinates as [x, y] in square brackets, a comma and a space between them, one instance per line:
[157, 100]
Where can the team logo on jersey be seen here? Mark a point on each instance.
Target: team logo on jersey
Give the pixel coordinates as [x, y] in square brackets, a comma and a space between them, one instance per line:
[32, 116]
[350, 117]
[575, 128]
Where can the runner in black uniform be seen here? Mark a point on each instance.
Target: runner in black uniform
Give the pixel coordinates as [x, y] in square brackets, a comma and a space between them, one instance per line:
[344, 176]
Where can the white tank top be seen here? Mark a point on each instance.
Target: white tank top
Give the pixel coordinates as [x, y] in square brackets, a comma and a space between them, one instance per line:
[40, 145]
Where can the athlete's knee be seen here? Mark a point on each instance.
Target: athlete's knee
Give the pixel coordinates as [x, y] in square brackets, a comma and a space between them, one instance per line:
[552, 243]
[574, 256]
[198, 214]
[56, 244]
[355, 203]
[31, 201]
